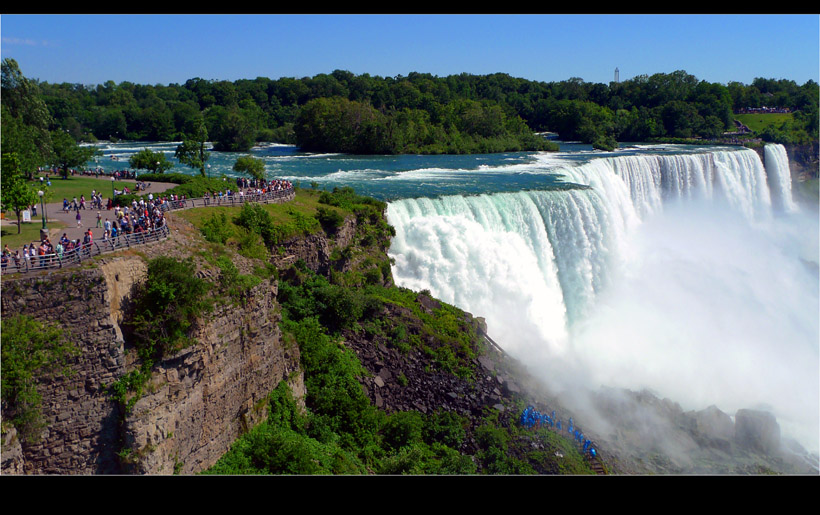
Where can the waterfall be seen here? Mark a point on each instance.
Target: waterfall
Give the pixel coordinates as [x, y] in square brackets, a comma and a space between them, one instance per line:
[668, 272]
[779, 173]
[556, 249]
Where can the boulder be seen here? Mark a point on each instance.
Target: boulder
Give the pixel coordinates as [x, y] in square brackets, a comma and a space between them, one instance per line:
[757, 430]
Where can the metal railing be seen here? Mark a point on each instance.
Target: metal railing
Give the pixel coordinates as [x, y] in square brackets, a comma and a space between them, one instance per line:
[228, 200]
[86, 251]
[127, 240]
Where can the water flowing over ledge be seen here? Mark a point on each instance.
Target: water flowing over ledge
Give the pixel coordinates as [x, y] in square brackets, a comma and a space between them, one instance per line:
[685, 273]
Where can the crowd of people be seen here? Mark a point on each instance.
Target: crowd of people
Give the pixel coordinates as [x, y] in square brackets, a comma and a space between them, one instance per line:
[134, 221]
[142, 216]
[532, 418]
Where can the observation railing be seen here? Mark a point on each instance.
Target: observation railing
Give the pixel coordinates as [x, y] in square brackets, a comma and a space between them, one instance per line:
[84, 251]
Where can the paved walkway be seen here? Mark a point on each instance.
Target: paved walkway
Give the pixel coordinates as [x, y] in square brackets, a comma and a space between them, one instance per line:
[54, 212]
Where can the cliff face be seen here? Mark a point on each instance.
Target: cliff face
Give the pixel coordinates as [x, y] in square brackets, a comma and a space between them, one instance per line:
[82, 434]
[804, 160]
[198, 400]
[204, 397]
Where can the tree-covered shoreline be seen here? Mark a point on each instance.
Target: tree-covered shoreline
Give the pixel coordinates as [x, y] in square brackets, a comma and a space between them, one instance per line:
[423, 113]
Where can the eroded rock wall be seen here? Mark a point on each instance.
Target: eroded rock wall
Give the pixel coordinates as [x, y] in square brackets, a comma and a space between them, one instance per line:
[82, 433]
[204, 397]
[197, 403]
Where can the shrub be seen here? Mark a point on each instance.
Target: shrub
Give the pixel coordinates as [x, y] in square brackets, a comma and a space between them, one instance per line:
[446, 428]
[256, 219]
[233, 283]
[216, 229]
[30, 350]
[251, 244]
[165, 307]
[329, 218]
[402, 429]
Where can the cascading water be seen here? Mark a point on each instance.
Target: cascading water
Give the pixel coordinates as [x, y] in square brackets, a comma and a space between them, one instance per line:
[777, 164]
[667, 272]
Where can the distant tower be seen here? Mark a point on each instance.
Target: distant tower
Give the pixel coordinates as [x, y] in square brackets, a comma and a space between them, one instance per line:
[616, 75]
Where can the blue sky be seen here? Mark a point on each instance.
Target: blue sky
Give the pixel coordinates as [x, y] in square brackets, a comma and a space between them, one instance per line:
[164, 49]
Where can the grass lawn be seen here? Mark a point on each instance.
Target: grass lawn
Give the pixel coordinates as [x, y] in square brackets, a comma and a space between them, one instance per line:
[306, 203]
[75, 186]
[759, 121]
[30, 232]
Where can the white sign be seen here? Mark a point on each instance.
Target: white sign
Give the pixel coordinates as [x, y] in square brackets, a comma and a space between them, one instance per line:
[26, 215]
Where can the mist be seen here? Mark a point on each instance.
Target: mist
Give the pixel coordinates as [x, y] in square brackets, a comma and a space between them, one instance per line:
[711, 300]
[710, 310]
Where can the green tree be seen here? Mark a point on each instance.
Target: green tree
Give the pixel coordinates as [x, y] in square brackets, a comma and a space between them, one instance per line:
[233, 129]
[16, 194]
[166, 306]
[25, 119]
[192, 151]
[253, 166]
[155, 162]
[69, 154]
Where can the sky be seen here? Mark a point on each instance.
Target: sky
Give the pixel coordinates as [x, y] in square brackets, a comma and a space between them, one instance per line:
[170, 49]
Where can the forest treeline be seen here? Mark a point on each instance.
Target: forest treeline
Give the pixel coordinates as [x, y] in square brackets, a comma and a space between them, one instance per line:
[423, 113]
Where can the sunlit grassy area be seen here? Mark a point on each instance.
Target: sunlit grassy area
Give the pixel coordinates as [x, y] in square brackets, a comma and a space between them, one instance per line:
[758, 122]
[305, 203]
[75, 186]
[29, 232]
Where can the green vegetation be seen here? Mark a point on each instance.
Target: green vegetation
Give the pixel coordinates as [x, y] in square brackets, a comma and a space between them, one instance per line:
[146, 159]
[192, 150]
[165, 306]
[276, 222]
[190, 186]
[163, 309]
[29, 129]
[31, 351]
[68, 155]
[16, 194]
[759, 122]
[339, 431]
[417, 113]
[252, 166]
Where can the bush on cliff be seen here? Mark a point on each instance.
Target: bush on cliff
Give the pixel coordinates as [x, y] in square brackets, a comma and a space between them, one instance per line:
[163, 309]
[30, 351]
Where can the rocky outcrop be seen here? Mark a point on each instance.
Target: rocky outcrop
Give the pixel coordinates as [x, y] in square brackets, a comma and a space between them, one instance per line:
[82, 433]
[803, 161]
[198, 400]
[316, 249]
[758, 431]
[204, 397]
[643, 433]
[407, 379]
